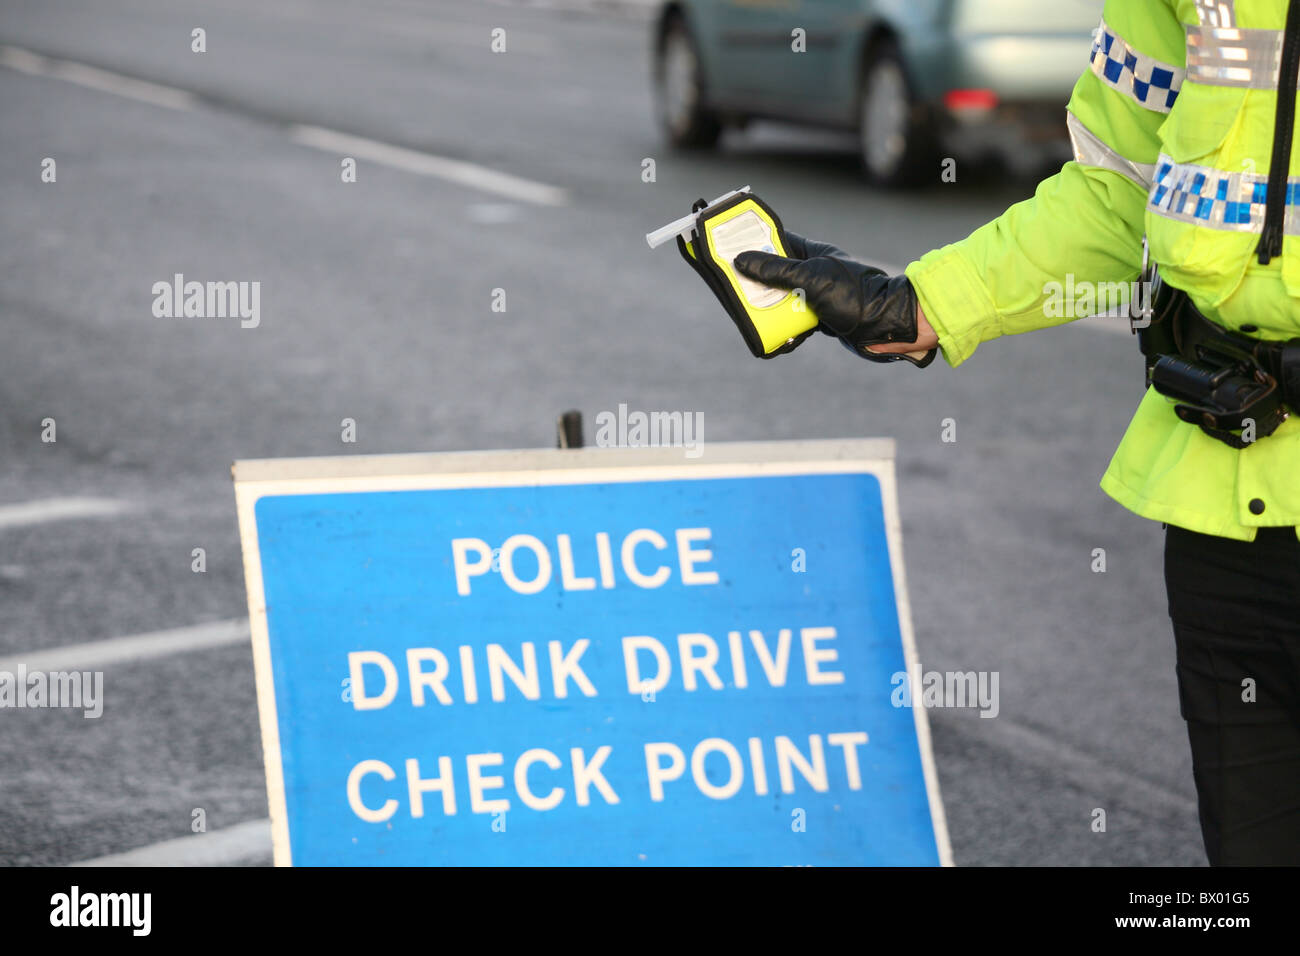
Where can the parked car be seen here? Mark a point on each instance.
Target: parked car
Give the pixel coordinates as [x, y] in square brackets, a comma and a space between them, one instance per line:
[911, 76]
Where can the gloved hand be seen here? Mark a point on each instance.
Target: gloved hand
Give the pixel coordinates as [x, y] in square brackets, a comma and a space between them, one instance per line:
[860, 304]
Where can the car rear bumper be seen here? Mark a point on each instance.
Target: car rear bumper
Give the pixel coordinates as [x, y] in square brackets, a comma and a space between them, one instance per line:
[1027, 135]
[1002, 93]
[1017, 67]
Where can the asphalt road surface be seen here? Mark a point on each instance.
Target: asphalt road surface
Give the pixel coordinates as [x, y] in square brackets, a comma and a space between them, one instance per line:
[376, 305]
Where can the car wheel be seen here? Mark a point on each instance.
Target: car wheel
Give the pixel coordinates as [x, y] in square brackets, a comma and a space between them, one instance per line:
[897, 136]
[679, 90]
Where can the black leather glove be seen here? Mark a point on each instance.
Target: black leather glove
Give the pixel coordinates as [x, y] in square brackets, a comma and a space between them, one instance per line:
[860, 304]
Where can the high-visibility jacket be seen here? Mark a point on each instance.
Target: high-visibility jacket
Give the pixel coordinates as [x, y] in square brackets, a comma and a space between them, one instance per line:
[1172, 128]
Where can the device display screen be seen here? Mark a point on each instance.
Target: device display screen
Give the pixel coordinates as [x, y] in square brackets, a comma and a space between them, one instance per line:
[744, 233]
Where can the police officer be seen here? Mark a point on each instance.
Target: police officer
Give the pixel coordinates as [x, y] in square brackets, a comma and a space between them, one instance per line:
[1182, 130]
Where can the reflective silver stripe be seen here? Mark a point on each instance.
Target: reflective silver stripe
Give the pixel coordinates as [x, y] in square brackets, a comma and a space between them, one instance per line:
[1216, 198]
[1153, 83]
[1216, 13]
[1091, 151]
[1225, 56]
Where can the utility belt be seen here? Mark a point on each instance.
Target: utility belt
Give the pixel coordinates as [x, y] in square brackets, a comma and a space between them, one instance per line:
[1238, 389]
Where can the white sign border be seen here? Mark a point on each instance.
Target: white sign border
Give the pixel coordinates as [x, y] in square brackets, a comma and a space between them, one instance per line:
[257, 479]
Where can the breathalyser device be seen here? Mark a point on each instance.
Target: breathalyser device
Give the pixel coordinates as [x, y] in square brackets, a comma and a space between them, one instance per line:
[771, 320]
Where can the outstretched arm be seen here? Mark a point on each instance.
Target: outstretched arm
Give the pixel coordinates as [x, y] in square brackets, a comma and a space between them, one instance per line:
[1087, 220]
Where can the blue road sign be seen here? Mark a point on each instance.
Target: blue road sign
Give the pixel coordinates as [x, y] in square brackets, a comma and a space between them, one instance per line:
[616, 658]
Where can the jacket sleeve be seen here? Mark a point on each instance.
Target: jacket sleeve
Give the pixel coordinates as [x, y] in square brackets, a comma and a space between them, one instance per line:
[1087, 220]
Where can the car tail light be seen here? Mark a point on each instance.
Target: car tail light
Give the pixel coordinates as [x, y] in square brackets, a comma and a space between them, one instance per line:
[970, 101]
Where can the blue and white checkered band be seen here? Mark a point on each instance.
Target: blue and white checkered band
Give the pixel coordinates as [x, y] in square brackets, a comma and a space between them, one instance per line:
[1149, 81]
[1216, 199]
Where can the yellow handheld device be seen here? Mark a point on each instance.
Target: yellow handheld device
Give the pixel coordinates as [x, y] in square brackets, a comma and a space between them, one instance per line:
[771, 320]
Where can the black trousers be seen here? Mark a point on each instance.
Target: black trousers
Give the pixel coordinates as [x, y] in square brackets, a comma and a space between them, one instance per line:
[1235, 607]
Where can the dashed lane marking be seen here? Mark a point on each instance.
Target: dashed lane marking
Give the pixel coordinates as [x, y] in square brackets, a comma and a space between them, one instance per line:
[458, 171]
[94, 655]
[59, 509]
[244, 842]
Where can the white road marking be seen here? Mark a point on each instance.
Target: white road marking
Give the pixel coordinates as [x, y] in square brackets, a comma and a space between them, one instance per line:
[427, 164]
[96, 79]
[94, 655]
[59, 509]
[240, 843]
[457, 171]
[1082, 770]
